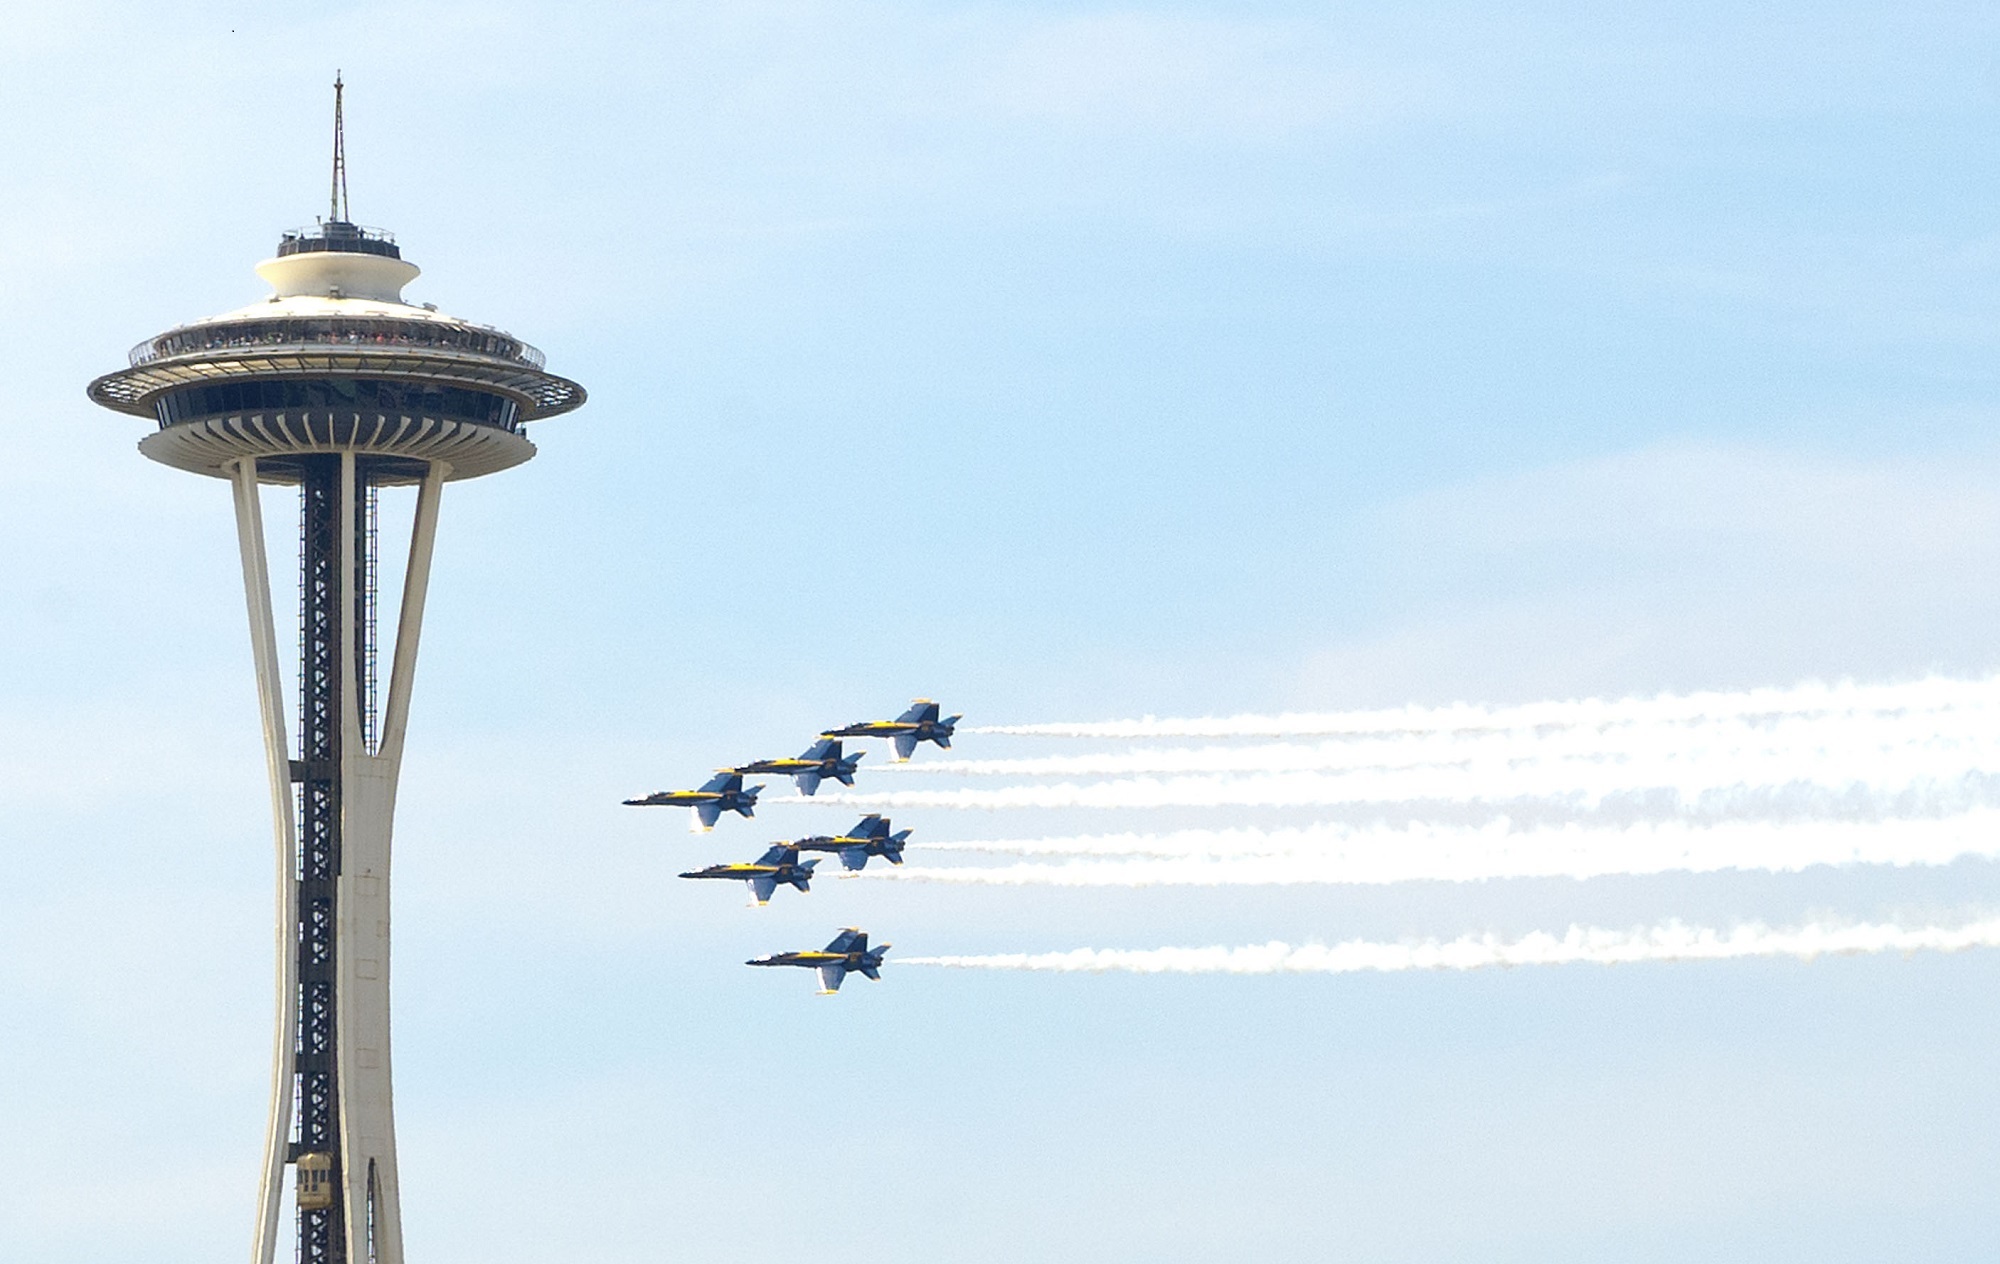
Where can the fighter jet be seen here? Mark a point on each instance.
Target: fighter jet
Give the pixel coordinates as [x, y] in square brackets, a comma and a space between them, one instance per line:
[871, 837]
[781, 864]
[919, 724]
[721, 793]
[821, 759]
[848, 951]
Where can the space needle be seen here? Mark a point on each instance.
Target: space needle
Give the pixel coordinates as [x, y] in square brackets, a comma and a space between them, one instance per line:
[339, 387]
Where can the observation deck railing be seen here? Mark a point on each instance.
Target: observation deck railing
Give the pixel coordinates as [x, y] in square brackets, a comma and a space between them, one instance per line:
[339, 235]
[332, 332]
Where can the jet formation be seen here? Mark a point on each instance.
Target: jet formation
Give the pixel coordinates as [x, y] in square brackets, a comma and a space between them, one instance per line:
[780, 865]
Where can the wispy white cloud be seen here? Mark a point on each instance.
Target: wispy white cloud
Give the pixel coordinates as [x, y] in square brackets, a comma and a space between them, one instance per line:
[1191, 75]
[1682, 563]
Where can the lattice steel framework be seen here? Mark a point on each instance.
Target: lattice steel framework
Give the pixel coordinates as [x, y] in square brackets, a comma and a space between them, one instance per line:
[322, 1239]
[322, 606]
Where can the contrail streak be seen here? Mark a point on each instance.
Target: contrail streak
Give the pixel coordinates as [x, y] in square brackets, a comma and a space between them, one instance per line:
[1812, 699]
[1332, 855]
[1579, 945]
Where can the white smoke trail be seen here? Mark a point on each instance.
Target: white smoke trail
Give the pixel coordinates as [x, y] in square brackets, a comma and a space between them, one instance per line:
[1812, 699]
[1949, 740]
[1212, 843]
[1886, 744]
[1891, 782]
[1579, 945]
[1334, 855]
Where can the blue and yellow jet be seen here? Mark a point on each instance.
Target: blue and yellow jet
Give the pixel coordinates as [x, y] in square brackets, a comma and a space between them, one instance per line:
[919, 724]
[780, 865]
[721, 793]
[848, 952]
[871, 837]
[820, 760]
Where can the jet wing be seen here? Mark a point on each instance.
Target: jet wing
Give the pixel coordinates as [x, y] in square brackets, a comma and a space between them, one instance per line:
[849, 940]
[830, 978]
[855, 857]
[807, 782]
[706, 815]
[762, 886]
[906, 745]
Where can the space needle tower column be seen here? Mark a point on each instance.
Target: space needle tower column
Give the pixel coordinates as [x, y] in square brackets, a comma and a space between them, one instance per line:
[338, 387]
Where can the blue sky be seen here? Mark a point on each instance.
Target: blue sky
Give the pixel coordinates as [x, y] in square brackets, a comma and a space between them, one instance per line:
[1061, 362]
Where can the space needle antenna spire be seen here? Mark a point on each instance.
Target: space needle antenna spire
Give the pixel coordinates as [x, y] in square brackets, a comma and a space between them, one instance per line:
[337, 204]
[336, 388]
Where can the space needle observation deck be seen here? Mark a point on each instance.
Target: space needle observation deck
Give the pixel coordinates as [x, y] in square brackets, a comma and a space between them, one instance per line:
[337, 386]
[336, 361]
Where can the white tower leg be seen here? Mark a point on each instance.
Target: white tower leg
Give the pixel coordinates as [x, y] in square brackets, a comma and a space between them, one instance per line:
[277, 762]
[368, 804]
